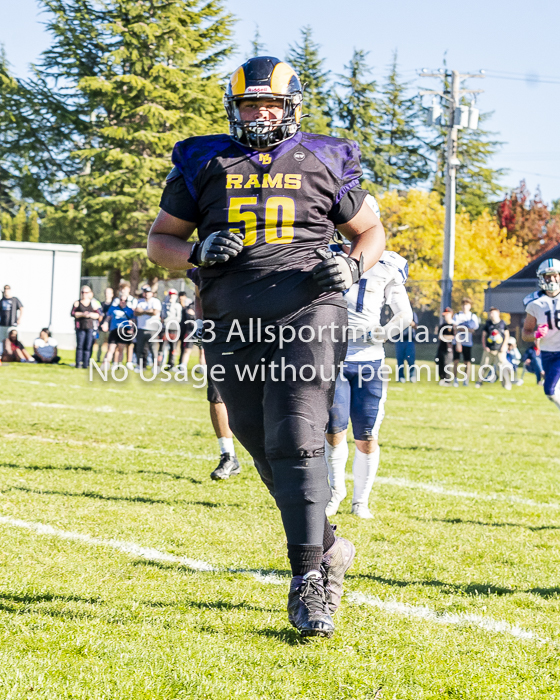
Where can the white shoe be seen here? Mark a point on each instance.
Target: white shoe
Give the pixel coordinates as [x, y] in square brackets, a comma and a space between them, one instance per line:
[332, 506]
[478, 385]
[402, 380]
[520, 382]
[130, 365]
[455, 382]
[362, 511]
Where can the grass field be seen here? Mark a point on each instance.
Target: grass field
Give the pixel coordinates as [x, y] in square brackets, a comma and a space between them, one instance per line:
[126, 573]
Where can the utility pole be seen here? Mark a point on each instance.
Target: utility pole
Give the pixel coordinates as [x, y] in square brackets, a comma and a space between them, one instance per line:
[458, 117]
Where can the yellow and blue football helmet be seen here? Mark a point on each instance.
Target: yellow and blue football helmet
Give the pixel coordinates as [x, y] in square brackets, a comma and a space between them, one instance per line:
[264, 77]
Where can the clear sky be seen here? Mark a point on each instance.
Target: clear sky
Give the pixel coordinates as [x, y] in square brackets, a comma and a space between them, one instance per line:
[513, 38]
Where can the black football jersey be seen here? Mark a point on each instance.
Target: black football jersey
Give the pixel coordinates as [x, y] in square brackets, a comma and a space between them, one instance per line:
[286, 202]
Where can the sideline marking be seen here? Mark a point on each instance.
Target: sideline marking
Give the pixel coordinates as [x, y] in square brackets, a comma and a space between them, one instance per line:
[487, 624]
[436, 488]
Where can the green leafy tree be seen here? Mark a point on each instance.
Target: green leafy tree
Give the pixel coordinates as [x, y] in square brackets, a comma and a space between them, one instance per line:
[308, 64]
[397, 142]
[137, 77]
[357, 112]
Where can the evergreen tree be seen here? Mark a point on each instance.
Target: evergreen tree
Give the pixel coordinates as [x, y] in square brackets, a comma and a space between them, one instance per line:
[19, 225]
[357, 112]
[397, 141]
[306, 61]
[257, 46]
[138, 77]
[33, 227]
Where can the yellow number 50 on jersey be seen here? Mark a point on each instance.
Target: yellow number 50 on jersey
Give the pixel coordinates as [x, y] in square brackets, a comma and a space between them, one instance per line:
[273, 233]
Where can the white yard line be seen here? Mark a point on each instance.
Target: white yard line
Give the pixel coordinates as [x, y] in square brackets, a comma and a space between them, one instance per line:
[109, 446]
[421, 612]
[93, 409]
[488, 624]
[437, 488]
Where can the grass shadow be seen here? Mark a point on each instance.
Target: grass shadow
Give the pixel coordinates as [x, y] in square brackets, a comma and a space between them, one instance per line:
[49, 467]
[288, 635]
[92, 494]
[460, 521]
[467, 588]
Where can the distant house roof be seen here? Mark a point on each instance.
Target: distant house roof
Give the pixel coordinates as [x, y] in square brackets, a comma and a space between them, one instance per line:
[529, 272]
[508, 295]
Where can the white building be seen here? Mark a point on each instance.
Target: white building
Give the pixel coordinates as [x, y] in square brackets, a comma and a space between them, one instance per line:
[45, 277]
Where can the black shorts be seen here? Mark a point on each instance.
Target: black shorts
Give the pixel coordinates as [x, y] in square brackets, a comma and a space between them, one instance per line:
[116, 339]
[277, 419]
[466, 352]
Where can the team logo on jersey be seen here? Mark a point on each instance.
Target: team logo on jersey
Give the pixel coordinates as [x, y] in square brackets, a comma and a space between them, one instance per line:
[265, 158]
[299, 156]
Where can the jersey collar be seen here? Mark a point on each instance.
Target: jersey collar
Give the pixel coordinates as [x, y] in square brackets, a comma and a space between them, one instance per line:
[276, 153]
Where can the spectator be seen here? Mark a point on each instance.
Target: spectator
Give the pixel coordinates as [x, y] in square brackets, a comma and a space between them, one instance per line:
[171, 313]
[444, 355]
[45, 348]
[86, 311]
[465, 323]
[148, 319]
[532, 362]
[119, 323]
[103, 340]
[495, 336]
[188, 326]
[14, 350]
[11, 311]
[405, 350]
[513, 356]
[124, 286]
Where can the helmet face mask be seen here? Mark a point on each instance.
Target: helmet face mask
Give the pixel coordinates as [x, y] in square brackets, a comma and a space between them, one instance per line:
[263, 78]
[549, 276]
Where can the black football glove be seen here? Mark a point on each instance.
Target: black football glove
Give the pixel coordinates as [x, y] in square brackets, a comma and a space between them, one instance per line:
[337, 272]
[219, 247]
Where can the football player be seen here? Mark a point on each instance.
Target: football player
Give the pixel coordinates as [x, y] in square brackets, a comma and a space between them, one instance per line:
[266, 199]
[360, 388]
[542, 324]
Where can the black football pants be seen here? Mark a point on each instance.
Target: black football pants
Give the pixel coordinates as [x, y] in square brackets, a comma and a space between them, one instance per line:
[282, 423]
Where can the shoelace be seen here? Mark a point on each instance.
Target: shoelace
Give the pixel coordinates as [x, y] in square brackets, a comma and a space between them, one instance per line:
[313, 595]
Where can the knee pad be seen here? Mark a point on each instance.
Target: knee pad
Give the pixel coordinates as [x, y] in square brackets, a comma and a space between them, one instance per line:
[300, 481]
[294, 437]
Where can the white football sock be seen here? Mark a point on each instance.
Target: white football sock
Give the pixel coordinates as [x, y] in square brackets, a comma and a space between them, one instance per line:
[336, 462]
[226, 446]
[364, 469]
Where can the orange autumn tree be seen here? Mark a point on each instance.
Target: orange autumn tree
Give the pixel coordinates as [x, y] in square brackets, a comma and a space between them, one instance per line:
[414, 222]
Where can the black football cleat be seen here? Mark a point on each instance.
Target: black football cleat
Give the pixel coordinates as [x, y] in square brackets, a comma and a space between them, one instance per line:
[336, 562]
[308, 606]
[228, 466]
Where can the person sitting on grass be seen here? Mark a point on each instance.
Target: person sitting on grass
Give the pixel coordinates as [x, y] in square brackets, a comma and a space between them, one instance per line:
[45, 348]
[14, 350]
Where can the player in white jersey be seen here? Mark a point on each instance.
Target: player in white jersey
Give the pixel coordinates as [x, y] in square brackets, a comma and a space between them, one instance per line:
[360, 388]
[542, 324]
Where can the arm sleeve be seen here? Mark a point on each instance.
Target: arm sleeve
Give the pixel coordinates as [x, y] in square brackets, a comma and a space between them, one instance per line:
[177, 200]
[398, 300]
[347, 208]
